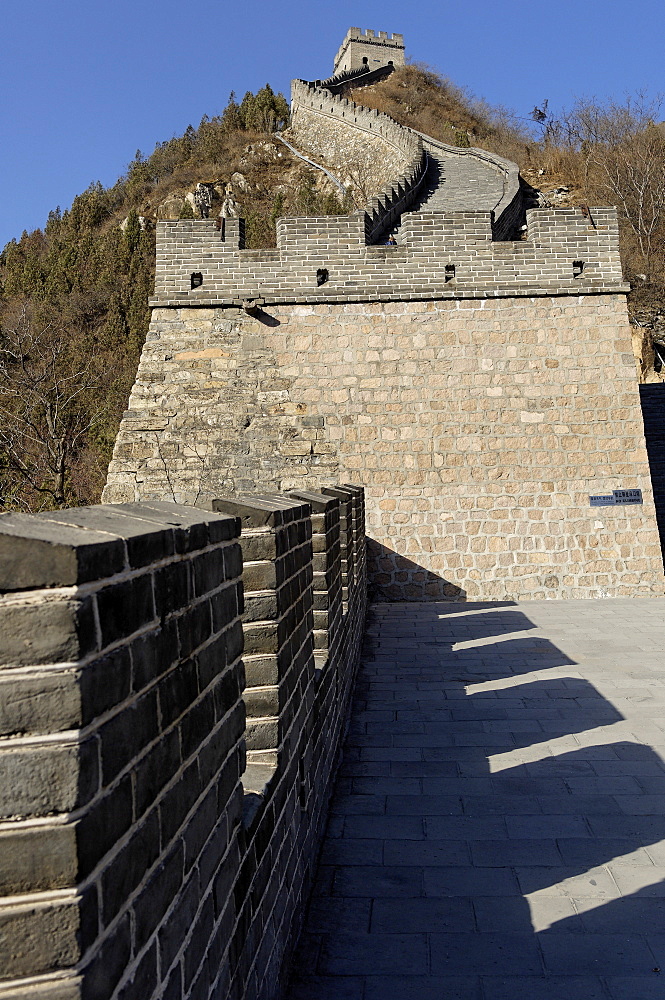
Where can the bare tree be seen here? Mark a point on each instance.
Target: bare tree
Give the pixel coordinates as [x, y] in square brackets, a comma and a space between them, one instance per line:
[45, 411]
[624, 152]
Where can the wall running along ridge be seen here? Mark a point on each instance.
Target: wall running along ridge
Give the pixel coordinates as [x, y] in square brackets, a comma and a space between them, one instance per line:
[158, 827]
[483, 388]
[370, 150]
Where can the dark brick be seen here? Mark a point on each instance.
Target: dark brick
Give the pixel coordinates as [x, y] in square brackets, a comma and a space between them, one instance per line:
[197, 724]
[177, 691]
[125, 607]
[144, 980]
[208, 571]
[252, 513]
[145, 541]
[172, 587]
[178, 801]
[228, 690]
[194, 627]
[174, 931]
[88, 902]
[198, 942]
[173, 988]
[214, 753]
[104, 683]
[125, 735]
[222, 874]
[233, 561]
[234, 642]
[153, 654]
[201, 986]
[103, 825]
[215, 849]
[158, 895]
[103, 973]
[200, 827]
[225, 607]
[155, 770]
[129, 867]
[211, 661]
[195, 527]
[189, 526]
[35, 553]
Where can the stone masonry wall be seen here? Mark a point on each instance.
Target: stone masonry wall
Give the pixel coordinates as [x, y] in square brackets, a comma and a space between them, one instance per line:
[383, 162]
[481, 427]
[140, 859]
[366, 149]
[378, 49]
[431, 244]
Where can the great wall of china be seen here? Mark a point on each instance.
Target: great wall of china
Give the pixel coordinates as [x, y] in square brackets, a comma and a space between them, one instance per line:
[481, 386]
[178, 661]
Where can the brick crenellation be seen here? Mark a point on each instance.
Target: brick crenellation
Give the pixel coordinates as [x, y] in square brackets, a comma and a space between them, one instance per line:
[153, 805]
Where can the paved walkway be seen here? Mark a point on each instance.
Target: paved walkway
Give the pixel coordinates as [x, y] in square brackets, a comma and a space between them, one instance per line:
[498, 826]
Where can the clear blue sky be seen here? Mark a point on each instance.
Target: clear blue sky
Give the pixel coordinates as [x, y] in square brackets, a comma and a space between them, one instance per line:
[84, 85]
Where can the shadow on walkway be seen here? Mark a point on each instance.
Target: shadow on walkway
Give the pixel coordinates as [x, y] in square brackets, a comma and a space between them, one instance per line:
[498, 825]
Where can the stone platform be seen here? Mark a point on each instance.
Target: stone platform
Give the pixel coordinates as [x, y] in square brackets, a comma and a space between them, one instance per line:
[498, 827]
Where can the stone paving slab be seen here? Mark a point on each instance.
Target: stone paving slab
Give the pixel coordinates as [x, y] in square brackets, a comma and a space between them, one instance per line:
[497, 830]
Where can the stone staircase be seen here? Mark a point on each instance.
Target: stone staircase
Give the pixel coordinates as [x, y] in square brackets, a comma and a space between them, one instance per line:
[456, 184]
[652, 398]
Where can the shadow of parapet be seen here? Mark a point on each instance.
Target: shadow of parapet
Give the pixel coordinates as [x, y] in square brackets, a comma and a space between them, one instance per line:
[496, 831]
[392, 577]
[652, 399]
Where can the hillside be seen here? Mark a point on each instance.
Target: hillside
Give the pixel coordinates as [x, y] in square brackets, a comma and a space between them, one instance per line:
[73, 296]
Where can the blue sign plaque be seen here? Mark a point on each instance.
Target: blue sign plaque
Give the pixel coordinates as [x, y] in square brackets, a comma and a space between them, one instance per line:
[616, 498]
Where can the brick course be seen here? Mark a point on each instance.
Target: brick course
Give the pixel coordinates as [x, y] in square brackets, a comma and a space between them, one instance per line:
[139, 856]
[480, 426]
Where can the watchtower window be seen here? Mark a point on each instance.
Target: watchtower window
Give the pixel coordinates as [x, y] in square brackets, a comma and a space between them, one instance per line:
[365, 60]
[196, 279]
[578, 268]
[390, 62]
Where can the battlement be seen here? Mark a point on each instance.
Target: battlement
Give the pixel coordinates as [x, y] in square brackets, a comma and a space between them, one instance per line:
[369, 48]
[308, 95]
[440, 255]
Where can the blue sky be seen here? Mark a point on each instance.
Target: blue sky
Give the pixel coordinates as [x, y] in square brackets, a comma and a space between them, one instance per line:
[84, 85]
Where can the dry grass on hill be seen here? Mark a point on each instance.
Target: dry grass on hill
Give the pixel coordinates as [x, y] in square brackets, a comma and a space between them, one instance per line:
[417, 97]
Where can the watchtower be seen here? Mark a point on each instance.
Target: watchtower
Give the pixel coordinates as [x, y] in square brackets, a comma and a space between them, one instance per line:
[369, 48]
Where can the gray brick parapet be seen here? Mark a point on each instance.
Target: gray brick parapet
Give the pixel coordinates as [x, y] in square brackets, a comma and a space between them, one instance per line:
[277, 620]
[140, 855]
[442, 255]
[327, 564]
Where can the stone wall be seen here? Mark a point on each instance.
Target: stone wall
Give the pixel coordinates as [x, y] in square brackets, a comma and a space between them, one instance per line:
[441, 255]
[361, 146]
[481, 427]
[376, 157]
[140, 858]
[378, 49]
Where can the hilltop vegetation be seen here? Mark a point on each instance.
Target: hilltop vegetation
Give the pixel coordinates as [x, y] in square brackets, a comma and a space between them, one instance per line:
[73, 296]
[594, 153]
